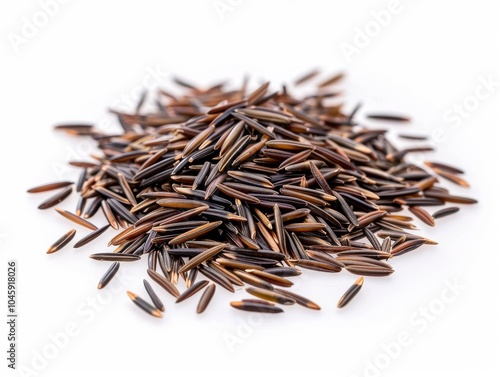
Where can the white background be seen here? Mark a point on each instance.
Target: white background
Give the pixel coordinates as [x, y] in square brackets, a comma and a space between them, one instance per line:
[91, 55]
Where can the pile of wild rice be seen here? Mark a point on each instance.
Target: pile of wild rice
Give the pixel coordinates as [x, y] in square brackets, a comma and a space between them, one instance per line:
[248, 189]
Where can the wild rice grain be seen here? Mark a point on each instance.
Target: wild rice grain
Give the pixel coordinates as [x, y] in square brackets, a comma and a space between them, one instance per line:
[206, 298]
[61, 242]
[350, 293]
[255, 306]
[110, 273]
[152, 295]
[56, 199]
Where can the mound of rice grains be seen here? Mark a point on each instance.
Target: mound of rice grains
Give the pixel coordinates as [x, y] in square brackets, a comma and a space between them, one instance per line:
[232, 188]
